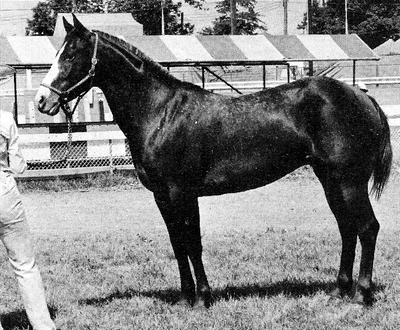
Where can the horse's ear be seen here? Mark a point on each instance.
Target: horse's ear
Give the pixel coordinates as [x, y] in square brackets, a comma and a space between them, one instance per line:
[68, 27]
[78, 25]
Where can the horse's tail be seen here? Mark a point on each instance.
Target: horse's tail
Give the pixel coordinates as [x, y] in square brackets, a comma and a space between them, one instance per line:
[383, 161]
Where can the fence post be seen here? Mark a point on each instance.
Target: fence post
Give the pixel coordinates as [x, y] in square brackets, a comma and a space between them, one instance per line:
[101, 109]
[110, 156]
[31, 112]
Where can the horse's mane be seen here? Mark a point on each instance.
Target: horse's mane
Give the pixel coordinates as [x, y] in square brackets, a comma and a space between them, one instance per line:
[131, 53]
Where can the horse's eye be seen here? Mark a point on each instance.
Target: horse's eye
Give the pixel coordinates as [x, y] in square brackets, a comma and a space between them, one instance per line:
[70, 58]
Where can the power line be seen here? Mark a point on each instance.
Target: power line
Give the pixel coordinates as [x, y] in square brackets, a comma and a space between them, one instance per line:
[13, 10]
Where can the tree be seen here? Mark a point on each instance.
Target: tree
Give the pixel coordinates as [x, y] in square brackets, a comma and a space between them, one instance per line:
[247, 20]
[374, 21]
[45, 16]
[146, 12]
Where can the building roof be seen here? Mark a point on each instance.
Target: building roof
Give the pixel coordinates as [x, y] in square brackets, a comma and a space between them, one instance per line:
[389, 47]
[113, 23]
[177, 50]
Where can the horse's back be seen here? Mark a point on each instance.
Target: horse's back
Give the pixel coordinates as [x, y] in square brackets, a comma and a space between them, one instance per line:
[215, 145]
[317, 121]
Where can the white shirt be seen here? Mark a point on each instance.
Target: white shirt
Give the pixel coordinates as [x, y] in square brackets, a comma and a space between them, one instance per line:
[11, 159]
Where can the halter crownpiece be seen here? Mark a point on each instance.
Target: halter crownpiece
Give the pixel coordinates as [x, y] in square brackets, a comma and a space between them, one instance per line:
[64, 95]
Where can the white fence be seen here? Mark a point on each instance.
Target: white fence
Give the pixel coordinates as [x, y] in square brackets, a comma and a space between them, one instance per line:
[48, 154]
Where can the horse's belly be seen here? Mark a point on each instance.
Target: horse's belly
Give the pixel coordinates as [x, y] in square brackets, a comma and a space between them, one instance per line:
[240, 177]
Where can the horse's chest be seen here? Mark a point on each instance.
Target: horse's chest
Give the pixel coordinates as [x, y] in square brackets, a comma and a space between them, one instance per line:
[144, 177]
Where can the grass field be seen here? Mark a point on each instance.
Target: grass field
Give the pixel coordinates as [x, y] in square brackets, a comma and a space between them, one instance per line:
[271, 256]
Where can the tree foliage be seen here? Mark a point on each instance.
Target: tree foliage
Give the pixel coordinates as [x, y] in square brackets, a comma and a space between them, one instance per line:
[247, 22]
[146, 12]
[43, 21]
[374, 21]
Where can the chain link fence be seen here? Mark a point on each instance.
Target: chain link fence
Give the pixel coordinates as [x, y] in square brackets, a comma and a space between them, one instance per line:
[395, 139]
[76, 156]
[52, 155]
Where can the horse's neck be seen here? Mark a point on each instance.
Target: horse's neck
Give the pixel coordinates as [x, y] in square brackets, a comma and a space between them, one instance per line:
[133, 97]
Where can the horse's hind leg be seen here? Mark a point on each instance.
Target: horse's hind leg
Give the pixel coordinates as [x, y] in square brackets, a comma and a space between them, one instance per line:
[353, 211]
[368, 229]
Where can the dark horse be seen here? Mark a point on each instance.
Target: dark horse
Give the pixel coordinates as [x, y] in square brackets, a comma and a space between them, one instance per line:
[187, 142]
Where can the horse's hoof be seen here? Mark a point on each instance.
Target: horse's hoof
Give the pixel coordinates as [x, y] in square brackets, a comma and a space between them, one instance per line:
[365, 300]
[336, 293]
[201, 305]
[341, 291]
[182, 302]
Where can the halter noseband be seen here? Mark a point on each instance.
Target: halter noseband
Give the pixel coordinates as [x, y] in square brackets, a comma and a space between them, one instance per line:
[64, 95]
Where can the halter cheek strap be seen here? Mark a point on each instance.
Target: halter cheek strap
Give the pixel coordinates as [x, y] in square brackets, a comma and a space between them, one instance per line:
[64, 96]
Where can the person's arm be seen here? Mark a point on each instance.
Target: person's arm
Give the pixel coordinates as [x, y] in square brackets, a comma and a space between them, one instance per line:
[16, 160]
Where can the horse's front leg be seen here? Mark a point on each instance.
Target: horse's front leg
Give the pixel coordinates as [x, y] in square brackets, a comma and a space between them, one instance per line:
[194, 249]
[181, 215]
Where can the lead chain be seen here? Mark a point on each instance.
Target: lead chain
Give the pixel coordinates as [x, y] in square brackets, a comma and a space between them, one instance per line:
[69, 144]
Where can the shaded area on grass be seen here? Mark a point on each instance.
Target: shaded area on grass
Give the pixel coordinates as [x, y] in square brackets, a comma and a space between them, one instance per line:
[120, 179]
[19, 320]
[288, 288]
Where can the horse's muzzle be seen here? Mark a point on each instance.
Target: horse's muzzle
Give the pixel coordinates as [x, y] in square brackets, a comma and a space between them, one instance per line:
[48, 108]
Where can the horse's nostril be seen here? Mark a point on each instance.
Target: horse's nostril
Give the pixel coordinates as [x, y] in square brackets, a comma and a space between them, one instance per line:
[41, 103]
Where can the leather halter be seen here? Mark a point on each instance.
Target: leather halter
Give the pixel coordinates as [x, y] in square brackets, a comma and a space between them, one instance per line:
[65, 95]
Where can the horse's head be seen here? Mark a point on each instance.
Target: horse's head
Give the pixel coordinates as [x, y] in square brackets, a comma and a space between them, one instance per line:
[73, 69]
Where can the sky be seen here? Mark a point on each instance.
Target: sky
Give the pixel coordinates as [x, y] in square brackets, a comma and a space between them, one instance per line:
[14, 14]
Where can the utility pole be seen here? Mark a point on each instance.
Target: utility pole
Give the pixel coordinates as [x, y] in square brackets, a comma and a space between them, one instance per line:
[309, 20]
[285, 17]
[233, 17]
[309, 16]
[346, 24]
[73, 6]
[162, 17]
[105, 5]
[182, 22]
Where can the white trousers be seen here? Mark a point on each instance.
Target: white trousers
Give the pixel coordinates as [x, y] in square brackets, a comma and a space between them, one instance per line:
[15, 235]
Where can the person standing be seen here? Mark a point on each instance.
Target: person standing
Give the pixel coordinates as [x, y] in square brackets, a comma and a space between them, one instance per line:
[14, 230]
